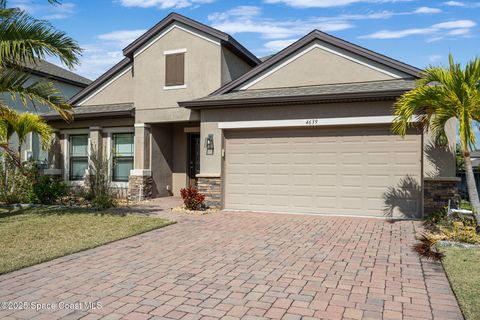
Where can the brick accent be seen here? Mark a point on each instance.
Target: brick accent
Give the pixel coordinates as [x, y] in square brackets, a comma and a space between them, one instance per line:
[211, 187]
[140, 187]
[437, 192]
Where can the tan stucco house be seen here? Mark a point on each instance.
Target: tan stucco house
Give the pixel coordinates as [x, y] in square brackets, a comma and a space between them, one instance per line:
[305, 131]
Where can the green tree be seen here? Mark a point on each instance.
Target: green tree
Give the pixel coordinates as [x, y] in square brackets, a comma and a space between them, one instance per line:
[443, 94]
[22, 124]
[24, 41]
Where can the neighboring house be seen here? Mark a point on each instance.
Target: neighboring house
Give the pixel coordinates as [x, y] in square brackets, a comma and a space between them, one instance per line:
[305, 131]
[67, 83]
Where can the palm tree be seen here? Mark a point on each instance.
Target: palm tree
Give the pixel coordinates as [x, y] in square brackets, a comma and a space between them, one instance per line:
[25, 40]
[23, 124]
[443, 94]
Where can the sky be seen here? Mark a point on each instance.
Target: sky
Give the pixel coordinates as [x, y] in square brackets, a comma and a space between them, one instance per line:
[420, 33]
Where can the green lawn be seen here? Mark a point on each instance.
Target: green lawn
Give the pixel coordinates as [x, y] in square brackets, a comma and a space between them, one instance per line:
[32, 236]
[463, 270]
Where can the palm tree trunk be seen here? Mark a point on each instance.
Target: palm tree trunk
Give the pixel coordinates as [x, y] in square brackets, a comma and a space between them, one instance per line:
[472, 187]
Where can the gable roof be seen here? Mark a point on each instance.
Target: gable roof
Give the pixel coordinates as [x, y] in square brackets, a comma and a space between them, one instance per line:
[225, 39]
[99, 81]
[49, 70]
[128, 51]
[309, 38]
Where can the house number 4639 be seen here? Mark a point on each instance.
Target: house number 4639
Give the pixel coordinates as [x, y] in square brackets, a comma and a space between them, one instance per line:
[311, 122]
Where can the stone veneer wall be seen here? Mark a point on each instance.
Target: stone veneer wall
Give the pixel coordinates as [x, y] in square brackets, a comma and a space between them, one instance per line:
[140, 187]
[437, 192]
[212, 189]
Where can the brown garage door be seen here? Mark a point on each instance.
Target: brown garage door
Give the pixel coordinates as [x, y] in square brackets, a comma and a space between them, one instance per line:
[347, 170]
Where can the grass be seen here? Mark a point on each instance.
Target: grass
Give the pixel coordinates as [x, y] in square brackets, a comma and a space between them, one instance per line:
[33, 236]
[463, 270]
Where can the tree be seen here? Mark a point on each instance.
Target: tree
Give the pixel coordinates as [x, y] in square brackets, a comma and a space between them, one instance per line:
[24, 41]
[22, 124]
[443, 94]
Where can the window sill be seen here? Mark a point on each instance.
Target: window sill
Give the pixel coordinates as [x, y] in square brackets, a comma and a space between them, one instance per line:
[183, 86]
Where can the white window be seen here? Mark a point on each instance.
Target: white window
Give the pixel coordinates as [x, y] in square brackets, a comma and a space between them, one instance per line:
[78, 156]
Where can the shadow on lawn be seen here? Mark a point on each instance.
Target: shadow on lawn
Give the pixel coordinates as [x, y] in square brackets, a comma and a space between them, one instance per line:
[44, 210]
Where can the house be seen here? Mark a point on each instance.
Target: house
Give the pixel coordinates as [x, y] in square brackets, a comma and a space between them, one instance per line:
[67, 83]
[305, 131]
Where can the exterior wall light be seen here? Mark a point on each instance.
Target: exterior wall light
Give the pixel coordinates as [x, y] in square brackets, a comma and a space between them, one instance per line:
[209, 144]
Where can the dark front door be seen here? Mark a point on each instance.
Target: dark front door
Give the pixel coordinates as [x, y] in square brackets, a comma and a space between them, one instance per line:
[193, 165]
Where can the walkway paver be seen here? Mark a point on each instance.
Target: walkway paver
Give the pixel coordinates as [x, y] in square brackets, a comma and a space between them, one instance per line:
[242, 266]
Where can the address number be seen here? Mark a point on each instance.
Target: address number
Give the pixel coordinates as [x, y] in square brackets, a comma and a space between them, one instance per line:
[311, 122]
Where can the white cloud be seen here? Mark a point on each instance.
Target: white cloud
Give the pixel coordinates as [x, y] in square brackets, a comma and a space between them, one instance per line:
[326, 3]
[436, 30]
[163, 4]
[462, 4]
[277, 45]
[249, 19]
[61, 11]
[434, 58]
[122, 37]
[45, 11]
[427, 10]
[455, 4]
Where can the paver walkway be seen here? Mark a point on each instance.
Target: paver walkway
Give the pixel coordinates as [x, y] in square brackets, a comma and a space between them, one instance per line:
[244, 266]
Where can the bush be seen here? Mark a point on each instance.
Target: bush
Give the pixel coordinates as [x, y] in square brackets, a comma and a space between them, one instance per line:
[192, 199]
[16, 184]
[48, 189]
[100, 191]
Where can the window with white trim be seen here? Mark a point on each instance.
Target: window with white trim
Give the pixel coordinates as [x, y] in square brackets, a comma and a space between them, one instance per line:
[78, 156]
[122, 158]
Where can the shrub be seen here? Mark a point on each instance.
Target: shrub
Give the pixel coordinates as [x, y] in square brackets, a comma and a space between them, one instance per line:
[16, 183]
[100, 191]
[192, 199]
[48, 189]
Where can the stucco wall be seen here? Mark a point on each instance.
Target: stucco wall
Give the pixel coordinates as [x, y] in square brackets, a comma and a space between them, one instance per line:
[202, 76]
[119, 91]
[438, 165]
[319, 66]
[232, 66]
[438, 160]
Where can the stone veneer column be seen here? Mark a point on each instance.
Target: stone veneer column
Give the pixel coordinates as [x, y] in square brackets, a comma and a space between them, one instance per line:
[211, 187]
[437, 192]
[140, 181]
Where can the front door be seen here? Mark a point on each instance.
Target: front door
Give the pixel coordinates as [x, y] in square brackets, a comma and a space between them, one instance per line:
[193, 165]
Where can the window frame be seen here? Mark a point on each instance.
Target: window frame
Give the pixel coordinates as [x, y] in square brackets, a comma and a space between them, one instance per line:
[114, 156]
[72, 158]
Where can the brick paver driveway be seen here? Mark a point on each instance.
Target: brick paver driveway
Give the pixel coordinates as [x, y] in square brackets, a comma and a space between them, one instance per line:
[245, 266]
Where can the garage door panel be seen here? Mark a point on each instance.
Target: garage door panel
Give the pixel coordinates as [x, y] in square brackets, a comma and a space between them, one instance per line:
[364, 171]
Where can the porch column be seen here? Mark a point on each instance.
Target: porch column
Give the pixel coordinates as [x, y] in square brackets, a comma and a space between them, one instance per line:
[95, 147]
[54, 165]
[95, 135]
[140, 181]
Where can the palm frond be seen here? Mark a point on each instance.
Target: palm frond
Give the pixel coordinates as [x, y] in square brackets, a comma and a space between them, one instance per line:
[20, 85]
[27, 123]
[26, 39]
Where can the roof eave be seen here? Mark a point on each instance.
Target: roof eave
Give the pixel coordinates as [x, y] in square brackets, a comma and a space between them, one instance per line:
[226, 39]
[123, 114]
[57, 78]
[302, 99]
